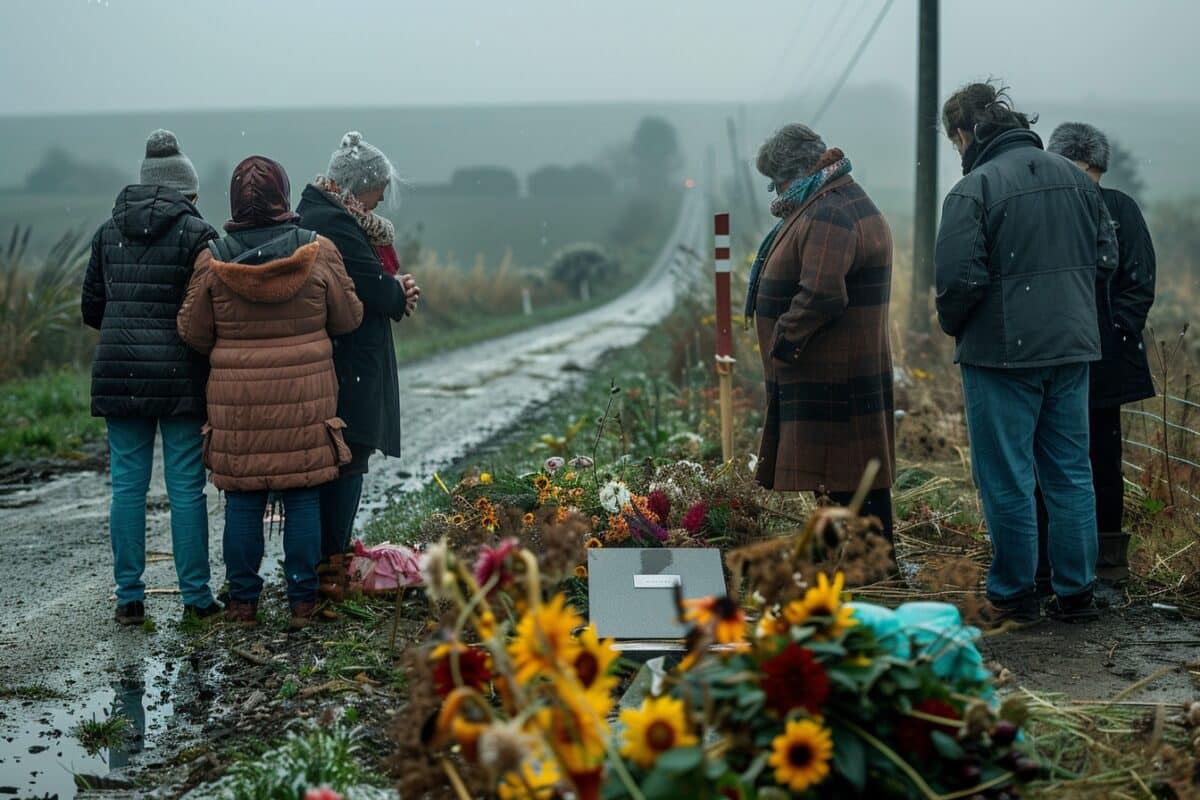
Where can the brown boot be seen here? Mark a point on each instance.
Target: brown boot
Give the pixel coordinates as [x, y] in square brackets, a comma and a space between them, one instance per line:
[1112, 561]
[242, 612]
[302, 615]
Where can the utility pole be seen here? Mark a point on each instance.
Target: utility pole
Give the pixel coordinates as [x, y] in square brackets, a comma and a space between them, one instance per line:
[928, 126]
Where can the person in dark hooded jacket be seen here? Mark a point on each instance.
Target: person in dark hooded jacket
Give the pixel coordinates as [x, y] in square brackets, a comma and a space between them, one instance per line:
[1122, 375]
[144, 378]
[1025, 238]
[341, 205]
[263, 305]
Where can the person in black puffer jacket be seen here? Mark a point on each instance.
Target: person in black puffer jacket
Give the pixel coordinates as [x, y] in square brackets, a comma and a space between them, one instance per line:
[1025, 239]
[144, 378]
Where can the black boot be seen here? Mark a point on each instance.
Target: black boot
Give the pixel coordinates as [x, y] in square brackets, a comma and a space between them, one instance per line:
[1112, 561]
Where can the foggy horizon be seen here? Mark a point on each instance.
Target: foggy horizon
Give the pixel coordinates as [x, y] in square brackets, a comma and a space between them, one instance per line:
[121, 56]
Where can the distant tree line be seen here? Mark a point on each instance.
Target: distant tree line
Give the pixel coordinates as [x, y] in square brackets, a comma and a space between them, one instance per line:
[649, 161]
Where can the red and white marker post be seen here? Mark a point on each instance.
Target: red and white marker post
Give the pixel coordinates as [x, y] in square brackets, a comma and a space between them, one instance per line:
[725, 359]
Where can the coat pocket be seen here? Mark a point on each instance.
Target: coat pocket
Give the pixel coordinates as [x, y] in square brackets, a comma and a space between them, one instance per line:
[206, 435]
[337, 441]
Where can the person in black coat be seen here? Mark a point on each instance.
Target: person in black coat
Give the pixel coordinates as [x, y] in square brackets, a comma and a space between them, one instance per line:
[340, 206]
[144, 378]
[1122, 375]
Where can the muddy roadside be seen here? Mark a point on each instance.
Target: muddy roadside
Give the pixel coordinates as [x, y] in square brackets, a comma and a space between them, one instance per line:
[62, 659]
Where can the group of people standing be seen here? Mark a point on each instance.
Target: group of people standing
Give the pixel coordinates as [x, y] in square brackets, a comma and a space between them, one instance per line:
[265, 355]
[1045, 281]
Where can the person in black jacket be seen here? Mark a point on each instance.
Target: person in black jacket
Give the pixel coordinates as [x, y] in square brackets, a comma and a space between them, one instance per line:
[144, 378]
[340, 206]
[1122, 375]
[1025, 238]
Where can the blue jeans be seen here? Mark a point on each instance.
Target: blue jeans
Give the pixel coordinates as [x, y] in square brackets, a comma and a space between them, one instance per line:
[1030, 426]
[244, 543]
[131, 450]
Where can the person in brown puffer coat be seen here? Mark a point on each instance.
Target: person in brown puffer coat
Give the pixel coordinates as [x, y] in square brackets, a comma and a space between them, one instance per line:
[262, 304]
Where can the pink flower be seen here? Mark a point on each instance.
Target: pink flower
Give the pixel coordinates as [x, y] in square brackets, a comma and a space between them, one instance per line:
[553, 464]
[694, 519]
[322, 793]
[493, 561]
[660, 505]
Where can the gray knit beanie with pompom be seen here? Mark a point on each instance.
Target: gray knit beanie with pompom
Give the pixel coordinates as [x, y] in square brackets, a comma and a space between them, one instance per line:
[1079, 141]
[358, 166]
[166, 165]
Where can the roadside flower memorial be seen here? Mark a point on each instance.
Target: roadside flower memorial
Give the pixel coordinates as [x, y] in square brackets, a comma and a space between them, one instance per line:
[791, 691]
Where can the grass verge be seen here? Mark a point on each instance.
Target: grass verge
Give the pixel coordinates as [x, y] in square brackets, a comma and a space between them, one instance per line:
[48, 416]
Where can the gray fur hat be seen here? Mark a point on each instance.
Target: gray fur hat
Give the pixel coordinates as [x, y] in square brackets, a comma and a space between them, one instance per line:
[1079, 141]
[166, 165]
[358, 166]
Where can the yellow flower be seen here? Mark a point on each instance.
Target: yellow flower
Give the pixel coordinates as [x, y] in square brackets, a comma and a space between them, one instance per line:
[592, 665]
[574, 730]
[728, 621]
[485, 478]
[541, 483]
[570, 476]
[457, 519]
[580, 572]
[561, 515]
[483, 503]
[771, 624]
[528, 518]
[535, 780]
[823, 600]
[658, 726]
[801, 755]
[591, 543]
[543, 640]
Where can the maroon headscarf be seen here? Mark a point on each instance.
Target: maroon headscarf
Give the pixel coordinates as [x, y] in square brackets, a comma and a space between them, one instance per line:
[259, 195]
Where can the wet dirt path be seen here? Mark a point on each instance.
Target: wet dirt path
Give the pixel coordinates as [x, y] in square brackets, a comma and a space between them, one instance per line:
[56, 629]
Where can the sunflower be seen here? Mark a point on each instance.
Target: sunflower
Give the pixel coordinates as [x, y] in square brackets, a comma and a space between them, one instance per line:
[771, 624]
[535, 780]
[458, 520]
[580, 572]
[592, 543]
[541, 483]
[658, 726]
[592, 665]
[543, 639]
[483, 504]
[574, 730]
[727, 619]
[823, 600]
[801, 755]
[528, 519]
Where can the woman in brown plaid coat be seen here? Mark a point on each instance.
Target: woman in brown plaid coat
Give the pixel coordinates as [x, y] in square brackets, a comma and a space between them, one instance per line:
[819, 293]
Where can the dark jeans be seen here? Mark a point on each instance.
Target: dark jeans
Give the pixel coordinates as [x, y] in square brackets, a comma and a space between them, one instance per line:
[877, 504]
[339, 503]
[1104, 451]
[244, 543]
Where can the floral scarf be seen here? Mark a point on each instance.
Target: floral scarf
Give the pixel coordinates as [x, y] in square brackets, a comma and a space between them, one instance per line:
[379, 230]
[833, 164]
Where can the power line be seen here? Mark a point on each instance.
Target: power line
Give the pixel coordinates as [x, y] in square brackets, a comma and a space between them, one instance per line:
[784, 53]
[813, 55]
[862, 48]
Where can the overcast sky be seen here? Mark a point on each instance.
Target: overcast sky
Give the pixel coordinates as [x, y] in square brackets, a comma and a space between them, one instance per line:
[83, 55]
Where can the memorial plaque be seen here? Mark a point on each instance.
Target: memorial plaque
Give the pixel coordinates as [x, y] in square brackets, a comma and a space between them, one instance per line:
[631, 590]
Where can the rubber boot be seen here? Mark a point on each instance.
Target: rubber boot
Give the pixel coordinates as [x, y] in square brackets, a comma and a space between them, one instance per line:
[1112, 560]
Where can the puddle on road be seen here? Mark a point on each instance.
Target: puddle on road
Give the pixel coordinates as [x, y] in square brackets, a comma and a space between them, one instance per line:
[40, 758]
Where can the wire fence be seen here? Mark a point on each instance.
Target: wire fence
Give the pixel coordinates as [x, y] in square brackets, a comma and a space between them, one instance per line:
[1162, 448]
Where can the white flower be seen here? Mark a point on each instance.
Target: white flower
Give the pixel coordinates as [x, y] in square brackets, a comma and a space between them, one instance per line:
[752, 462]
[553, 464]
[582, 462]
[614, 496]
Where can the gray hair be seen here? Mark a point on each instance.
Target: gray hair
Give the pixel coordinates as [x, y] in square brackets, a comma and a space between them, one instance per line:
[791, 151]
[1079, 141]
